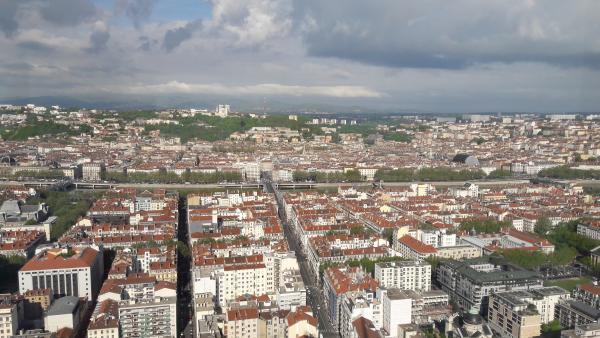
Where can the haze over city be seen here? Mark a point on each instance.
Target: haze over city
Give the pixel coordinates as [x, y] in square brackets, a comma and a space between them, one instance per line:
[427, 56]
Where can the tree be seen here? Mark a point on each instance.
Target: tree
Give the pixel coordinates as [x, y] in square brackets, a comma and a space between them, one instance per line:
[542, 226]
[357, 230]
[183, 249]
[488, 226]
[388, 233]
[552, 329]
[525, 259]
[499, 173]
[563, 256]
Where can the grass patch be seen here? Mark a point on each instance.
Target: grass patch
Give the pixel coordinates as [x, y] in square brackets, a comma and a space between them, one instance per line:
[568, 284]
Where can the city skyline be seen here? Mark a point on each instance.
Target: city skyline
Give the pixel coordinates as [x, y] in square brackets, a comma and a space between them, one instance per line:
[426, 56]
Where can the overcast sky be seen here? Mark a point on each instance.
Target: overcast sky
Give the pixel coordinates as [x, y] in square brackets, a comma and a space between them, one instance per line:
[427, 55]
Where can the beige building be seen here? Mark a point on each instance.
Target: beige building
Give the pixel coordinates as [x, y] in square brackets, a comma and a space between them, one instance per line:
[9, 320]
[238, 280]
[104, 322]
[458, 252]
[92, 171]
[37, 301]
[245, 322]
[301, 324]
[512, 317]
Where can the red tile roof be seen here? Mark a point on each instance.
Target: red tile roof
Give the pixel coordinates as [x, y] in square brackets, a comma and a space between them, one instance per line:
[51, 259]
[417, 245]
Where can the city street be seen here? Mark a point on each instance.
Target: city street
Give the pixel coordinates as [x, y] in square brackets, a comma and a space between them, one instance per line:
[184, 298]
[314, 297]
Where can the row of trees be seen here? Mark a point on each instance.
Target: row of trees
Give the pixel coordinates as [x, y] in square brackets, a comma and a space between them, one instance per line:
[38, 174]
[170, 177]
[321, 177]
[428, 174]
[565, 235]
[536, 259]
[485, 226]
[567, 173]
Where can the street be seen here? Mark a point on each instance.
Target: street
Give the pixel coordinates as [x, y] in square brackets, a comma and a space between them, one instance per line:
[184, 298]
[314, 296]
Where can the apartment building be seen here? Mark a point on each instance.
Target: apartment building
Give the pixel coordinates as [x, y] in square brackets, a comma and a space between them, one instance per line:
[511, 316]
[411, 248]
[36, 302]
[359, 304]
[247, 275]
[588, 294]
[337, 282]
[405, 275]
[9, 319]
[92, 171]
[591, 330]
[470, 282]
[143, 307]
[156, 317]
[104, 322]
[591, 230]
[397, 310]
[244, 323]
[67, 272]
[571, 314]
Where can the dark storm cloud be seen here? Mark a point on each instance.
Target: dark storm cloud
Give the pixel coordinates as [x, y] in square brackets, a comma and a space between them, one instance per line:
[8, 21]
[68, 12]
[146, 43]
[137, 11]
[175, 37]
[36, 46]
[450, 35]
[98, 40]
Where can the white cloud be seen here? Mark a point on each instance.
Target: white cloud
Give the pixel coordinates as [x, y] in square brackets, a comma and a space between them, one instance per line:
[175, 87]
[252, 22]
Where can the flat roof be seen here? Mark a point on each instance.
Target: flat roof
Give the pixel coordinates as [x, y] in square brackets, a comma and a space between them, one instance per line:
[63, 305]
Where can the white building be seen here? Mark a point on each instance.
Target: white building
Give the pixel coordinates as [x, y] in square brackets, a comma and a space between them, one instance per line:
[149, 318]
[222, 110]
[405, 275]
[68, 273]
[397, 310]
[64, 312]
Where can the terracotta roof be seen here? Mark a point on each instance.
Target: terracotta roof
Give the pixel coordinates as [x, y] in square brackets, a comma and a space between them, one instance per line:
[590, 288]
[242, 314]
[49, 260]
[417, 245]
[298, 316]
[365, 329]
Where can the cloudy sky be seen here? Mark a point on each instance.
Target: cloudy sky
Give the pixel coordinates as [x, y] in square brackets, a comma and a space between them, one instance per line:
[424, 55]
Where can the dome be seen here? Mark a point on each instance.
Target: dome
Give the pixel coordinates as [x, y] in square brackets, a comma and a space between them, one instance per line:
[472, 318]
